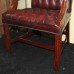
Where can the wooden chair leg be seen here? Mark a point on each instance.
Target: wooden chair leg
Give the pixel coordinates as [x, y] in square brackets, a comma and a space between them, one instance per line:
[57, 53]
[67, 33]
[7, 37]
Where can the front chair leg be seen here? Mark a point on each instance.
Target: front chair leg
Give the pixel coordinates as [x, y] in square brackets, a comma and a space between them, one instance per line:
[57, 51]
[7, 37]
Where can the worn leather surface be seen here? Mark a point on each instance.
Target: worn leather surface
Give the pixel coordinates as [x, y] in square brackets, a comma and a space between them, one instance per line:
[40, 19]
[47, 4]
[42, 16]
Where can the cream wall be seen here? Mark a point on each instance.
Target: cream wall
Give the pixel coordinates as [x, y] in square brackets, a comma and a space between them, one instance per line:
[72, 25]
[22, 5]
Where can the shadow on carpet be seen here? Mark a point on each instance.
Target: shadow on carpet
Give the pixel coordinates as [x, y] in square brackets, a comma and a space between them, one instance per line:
[27, 59]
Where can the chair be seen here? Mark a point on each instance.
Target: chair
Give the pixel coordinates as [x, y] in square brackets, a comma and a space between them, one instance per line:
[49, 16]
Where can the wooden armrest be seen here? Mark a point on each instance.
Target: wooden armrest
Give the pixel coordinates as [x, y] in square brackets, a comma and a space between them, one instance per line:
[13, 6]
[62, 13]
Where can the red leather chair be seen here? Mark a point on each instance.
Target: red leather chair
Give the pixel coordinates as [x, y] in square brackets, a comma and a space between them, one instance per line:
[50, 16]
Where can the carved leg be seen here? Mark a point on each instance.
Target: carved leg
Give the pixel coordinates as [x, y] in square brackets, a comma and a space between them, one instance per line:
[67, 33]
[7, 37]
[57, 52]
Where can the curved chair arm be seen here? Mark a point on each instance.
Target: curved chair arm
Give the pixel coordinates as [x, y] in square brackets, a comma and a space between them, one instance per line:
[13, 6]
[62, 13]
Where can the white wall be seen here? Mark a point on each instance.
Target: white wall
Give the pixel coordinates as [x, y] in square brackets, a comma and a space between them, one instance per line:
[22, 5]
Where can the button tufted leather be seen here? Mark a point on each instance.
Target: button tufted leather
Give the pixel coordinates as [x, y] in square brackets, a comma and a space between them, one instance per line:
[42, 16]
[49, 4]
[40, 19]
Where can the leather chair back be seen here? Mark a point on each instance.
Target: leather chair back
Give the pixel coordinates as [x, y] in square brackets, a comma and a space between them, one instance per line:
[47, 4]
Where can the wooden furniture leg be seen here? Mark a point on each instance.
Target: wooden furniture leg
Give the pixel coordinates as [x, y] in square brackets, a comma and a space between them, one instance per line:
[57, 51]
[7, 37]
[67, 33]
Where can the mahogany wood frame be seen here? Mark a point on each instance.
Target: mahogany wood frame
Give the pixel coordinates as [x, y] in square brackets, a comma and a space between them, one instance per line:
[58, 43]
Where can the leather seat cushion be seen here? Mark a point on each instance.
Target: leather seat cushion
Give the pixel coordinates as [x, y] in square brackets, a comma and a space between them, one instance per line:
[40, 19]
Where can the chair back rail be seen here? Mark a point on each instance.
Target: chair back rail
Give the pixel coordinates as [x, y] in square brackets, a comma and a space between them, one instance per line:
[51, 4]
